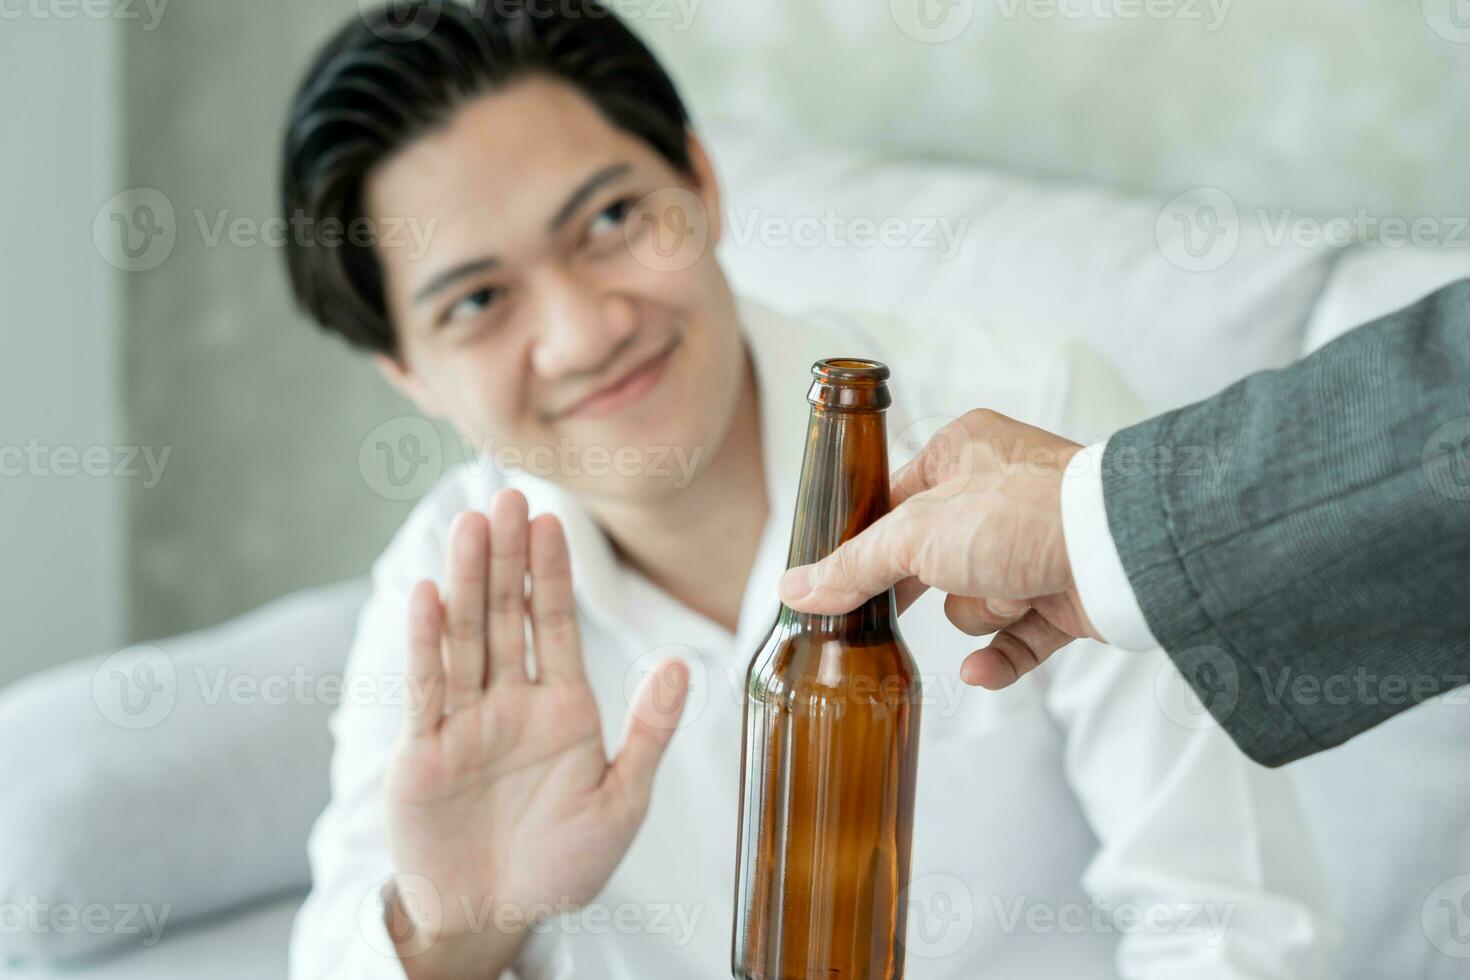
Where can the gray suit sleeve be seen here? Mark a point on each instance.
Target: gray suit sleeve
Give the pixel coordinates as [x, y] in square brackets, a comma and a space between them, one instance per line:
[1300, 543]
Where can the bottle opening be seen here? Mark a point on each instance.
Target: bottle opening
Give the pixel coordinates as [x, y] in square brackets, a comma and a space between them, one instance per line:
[850, 383]
[850, 369]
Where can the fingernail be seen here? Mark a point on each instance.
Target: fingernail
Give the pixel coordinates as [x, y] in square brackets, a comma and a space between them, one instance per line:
[797, 582]
[1005, 608]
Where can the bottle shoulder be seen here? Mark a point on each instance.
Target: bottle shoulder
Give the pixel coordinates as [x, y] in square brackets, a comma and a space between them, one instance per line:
[792, 649]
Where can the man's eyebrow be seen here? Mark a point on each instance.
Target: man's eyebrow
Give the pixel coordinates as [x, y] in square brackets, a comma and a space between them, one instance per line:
[589, 187]
[573, 203]
[449, 277]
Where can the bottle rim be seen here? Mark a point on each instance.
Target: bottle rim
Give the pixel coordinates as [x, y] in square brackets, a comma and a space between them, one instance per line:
[850, 370]
[849, 384]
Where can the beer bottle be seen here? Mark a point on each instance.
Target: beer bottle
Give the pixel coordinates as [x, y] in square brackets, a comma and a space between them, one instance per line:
[831, 730]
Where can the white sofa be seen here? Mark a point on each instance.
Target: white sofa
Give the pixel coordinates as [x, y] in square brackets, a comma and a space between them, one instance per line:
[208, 809]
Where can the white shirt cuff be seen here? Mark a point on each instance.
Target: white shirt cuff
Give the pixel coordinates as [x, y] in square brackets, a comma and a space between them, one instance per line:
[1102, 584]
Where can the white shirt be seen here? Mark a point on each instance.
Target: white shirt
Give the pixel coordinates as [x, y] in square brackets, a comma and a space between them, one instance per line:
[1097, 567]
[1085, 823]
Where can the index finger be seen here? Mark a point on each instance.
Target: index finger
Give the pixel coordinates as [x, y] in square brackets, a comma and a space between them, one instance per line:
[861, 567]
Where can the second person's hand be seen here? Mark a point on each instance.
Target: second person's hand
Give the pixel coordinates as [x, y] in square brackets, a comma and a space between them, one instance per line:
[977, 514]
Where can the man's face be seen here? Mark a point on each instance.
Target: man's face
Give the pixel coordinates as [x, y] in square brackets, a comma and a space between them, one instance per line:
[550, 318]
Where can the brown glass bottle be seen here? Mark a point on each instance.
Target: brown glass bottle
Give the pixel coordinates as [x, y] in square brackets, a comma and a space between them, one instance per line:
[831, 731]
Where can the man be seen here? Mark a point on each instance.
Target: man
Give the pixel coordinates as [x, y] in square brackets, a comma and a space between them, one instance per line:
[1335, 550]
[657, 422]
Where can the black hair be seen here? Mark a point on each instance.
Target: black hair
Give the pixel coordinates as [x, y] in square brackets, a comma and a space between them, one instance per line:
[391, 75]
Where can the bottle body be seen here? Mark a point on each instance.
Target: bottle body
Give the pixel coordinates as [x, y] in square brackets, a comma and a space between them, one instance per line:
[827, 807]
[830, 748]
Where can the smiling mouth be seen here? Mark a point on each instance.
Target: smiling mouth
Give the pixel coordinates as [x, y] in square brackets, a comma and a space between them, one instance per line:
[626, 390]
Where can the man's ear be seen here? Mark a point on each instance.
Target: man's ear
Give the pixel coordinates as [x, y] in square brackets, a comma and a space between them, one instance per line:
[706, 186]
[407, 384]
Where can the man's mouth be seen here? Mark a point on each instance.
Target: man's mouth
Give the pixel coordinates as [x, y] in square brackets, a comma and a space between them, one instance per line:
[632, 386]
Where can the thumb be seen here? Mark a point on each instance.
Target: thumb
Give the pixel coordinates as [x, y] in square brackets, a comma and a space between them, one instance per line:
[857, 570]
[657, 707]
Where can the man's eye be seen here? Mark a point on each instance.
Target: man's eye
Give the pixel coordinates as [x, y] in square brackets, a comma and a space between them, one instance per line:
[476, 302]
[610, 218]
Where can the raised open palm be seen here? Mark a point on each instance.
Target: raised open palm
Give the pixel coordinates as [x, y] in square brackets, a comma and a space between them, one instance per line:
[502, 802]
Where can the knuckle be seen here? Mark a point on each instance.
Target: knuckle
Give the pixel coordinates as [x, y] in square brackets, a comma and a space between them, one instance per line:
[464, 628]
[504, 601]
[557, 621]
[979, 419]
[836, 570]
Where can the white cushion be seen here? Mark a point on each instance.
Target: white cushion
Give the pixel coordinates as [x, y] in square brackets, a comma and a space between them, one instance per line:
[249, 943]
[804, 227]
[168, 782]
[1369, 282]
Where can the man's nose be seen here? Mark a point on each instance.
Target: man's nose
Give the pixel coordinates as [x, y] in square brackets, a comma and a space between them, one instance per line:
[579, 327]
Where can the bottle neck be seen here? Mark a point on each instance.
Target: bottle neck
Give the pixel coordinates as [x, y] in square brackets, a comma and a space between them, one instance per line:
[844, 488]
